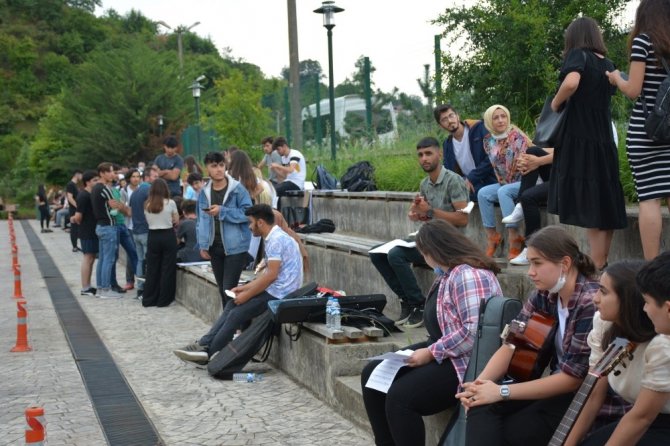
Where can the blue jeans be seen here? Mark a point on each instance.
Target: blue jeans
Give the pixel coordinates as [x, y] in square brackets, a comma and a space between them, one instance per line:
[126, 241]
[141, 241]
[505, 194]
[108, 240]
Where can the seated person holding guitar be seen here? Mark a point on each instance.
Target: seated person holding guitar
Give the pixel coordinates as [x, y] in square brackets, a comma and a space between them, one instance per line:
[645, 380]
[427, 385]
[527, 413]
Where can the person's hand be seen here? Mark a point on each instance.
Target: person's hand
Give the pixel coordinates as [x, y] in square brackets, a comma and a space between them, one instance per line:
[421, 205]
[205, 254]
[114, 204]
[469, 185]
[527, 163]
[413, 216]
[479, 393]
[214, 210]
[420, 357]
[613, 77]
[555, 106]
[241, 297]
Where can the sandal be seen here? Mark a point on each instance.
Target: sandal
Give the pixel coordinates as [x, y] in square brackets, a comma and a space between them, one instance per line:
[494, 241]
[515, 247]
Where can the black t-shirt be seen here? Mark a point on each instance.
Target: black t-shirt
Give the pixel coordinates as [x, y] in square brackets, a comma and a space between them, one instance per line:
[87, 225]
[71, 187]
[217, 198]
[101, 210]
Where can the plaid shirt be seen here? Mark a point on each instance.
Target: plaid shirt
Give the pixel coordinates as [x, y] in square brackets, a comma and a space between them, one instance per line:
[461, 290]
[576, 350]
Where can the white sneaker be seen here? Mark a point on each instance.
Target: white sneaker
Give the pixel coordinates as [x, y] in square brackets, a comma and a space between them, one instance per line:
[515, 216]
[521, 259]
[108, 294]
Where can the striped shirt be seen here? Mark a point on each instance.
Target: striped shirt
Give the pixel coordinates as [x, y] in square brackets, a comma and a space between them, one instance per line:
[575, 358]
[460, 291]
[649, 161]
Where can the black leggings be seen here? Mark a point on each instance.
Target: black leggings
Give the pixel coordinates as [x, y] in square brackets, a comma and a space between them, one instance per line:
[396, 416]
[533, 195]
[44, 215]
[658, 433]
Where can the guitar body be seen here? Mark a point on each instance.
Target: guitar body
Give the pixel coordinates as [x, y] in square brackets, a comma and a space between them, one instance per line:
[532, 343]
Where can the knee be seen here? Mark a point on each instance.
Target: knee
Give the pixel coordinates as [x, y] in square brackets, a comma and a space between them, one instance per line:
[396, 257]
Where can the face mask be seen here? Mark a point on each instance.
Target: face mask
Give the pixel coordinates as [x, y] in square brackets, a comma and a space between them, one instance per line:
[560, 283]
[438, 271]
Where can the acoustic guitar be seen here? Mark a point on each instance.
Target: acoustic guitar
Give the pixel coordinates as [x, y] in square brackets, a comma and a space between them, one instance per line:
[532, 343]
[618, 351]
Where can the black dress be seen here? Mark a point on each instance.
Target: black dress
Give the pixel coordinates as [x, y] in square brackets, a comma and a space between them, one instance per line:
[585, 189]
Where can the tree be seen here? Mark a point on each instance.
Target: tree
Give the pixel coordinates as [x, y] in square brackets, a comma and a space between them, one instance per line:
[509, 51]
[236, 114]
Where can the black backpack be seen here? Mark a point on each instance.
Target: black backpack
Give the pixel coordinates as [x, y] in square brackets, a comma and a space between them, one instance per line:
[323, 225]
[359, 178]
[657, 121]
[324, 179]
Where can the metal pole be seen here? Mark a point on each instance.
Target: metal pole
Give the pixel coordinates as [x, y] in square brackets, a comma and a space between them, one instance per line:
[331, 95]
[368, 95]
[319, 130]
[438, 71]
[197, 124]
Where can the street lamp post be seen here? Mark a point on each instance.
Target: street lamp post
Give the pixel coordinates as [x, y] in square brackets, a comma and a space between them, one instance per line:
[196, 87]
[328, 9]
[180, 48]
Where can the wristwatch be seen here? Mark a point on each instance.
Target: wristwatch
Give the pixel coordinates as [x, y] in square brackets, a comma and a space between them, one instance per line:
[430, 214]
[504, 392]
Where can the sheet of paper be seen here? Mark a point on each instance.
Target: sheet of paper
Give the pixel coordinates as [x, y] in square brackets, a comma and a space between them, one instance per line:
[205, 262]
[386, 247]
[468, 208]
[383, 375]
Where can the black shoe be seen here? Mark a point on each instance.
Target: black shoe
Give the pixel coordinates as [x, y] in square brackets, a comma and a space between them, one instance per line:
[405, 311]
[76, 249]
[415, 319]
[118, 289]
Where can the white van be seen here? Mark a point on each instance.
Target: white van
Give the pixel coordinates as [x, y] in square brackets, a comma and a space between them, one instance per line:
[350, 120]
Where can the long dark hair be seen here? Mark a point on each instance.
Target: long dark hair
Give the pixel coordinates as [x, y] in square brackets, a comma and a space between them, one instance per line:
[192, 165]
[449, 247]
[632, 324]
[652, 18]
[41, 193]
[242, 170]
[157, 194]
[584, 33]
[554, 243]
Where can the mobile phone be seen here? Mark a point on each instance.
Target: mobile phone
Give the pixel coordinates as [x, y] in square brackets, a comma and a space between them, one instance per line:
[230, 294]
[206, 209]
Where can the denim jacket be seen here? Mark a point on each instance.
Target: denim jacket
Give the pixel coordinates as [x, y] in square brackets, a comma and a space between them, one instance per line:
[234, 224]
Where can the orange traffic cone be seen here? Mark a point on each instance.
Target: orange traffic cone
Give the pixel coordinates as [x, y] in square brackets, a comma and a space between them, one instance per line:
[18, 294]
[15, 256]
[21, 328]
[35, 421]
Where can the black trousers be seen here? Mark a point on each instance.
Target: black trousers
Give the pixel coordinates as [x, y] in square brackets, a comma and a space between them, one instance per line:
[658, 433]
[161, 262]
[227, 269]
[44, 215]
[74, 228]
[396, 416]
[533, 195]
[516, 423]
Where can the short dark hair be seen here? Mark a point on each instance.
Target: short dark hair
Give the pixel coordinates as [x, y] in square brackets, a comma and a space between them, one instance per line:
[88, 176]
[267, 139]
[280, 141]
[193, 177]
[214, 157]
[130, 173]
[147, 171]
[652, 279]
[188, 206]
[105, 167]
[261, 212]
[171, 141]
[427, 142]
[441, 109]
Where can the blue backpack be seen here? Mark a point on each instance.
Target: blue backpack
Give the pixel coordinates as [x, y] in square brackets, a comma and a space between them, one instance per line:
[324, 179]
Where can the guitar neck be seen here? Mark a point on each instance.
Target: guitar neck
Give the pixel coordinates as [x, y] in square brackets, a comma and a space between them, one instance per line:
[568, 421]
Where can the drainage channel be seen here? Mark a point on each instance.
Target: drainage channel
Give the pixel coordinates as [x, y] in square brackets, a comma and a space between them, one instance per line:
[121, 416]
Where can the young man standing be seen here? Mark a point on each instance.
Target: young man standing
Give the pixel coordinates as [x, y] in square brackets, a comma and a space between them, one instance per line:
[140, 227]
[105, 207]
[442, 195]
[271, 157]
[221, 227]
[169, 165]
[463, 150]
[85, 220]
[281, 276]
[292, 167]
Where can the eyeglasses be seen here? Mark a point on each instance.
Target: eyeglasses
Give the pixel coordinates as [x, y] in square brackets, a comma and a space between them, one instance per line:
[448, 117]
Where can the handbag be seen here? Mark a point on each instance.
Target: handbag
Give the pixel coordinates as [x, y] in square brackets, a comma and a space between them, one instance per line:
[549, 126]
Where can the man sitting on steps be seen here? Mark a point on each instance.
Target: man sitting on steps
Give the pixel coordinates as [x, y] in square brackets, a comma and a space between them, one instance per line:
[442, 195]
[282, 275]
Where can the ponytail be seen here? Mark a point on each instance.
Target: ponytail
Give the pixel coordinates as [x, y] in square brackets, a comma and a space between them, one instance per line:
[585, 265]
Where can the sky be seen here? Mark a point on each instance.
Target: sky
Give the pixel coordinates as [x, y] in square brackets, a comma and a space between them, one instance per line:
[396, 35]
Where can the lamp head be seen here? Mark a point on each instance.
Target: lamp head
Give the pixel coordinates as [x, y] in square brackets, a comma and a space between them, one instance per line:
[328, 9]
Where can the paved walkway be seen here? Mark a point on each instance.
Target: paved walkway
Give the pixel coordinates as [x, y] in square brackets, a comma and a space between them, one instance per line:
[186, 406]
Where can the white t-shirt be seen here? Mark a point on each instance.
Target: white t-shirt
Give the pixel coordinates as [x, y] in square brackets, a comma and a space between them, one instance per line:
[463, 154]
[299, 172]
[162, 220]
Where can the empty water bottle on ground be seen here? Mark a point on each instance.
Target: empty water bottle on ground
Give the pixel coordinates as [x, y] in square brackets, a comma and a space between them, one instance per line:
[247, 377]
[329, 312]
[336, 315]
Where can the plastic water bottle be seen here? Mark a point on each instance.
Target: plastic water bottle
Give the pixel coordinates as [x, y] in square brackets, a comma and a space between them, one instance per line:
[329, 312]
[336, 315]
[249, 377]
